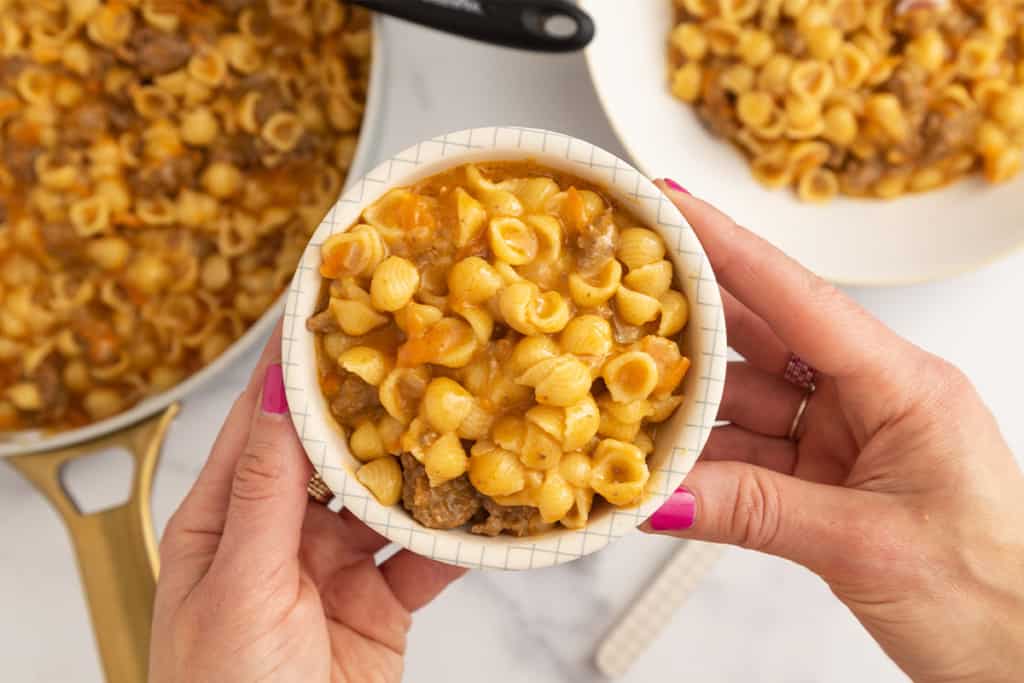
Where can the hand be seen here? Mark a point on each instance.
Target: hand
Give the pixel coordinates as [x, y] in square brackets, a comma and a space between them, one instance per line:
[898, 489]
[259, 584]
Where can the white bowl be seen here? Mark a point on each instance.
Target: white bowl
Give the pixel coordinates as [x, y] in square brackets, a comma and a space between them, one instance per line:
[849, 241]
[679, 440]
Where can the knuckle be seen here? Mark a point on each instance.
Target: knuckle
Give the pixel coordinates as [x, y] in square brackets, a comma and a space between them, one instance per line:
[259, 470]
[951, 388]
[756, 515]
[819, 290]
[954, 380]
[822, 294]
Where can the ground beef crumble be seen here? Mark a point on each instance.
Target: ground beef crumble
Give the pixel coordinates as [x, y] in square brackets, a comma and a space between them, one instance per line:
[446, 506]
[516, 520]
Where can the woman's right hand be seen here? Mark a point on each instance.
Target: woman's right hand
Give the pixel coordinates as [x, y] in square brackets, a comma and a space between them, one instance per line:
[898, 488]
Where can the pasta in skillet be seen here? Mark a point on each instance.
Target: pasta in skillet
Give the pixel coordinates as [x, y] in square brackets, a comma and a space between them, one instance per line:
[162, 165]
[499, 344]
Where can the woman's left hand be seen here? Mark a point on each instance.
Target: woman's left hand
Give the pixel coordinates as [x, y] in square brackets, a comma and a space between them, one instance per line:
[258, 583]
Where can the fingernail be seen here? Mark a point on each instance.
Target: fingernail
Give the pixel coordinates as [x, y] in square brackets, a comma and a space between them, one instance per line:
[678, 512]
[274, 400]
[675, 186]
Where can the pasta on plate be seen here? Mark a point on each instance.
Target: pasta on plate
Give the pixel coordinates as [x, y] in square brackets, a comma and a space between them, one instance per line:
[162, 165]
[868, 98]
[499, 343]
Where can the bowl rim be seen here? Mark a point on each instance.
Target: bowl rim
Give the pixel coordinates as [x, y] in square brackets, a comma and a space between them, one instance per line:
[687, 431]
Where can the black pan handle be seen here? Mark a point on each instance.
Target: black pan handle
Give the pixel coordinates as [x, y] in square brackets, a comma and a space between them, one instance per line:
[540, 25]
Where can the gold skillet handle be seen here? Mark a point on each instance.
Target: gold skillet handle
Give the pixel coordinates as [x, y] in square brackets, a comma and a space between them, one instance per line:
[116, 548]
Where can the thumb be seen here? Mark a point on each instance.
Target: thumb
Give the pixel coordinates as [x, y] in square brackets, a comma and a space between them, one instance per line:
[812, 524]
[268, 494]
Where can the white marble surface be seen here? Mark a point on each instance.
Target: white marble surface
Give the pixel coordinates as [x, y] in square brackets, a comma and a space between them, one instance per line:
[753, 619]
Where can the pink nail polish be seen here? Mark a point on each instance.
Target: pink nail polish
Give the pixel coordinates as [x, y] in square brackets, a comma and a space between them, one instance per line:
[678, 512]
[274, 399]
[675, 186]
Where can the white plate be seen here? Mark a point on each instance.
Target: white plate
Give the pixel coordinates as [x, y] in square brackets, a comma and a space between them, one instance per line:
[856, 242]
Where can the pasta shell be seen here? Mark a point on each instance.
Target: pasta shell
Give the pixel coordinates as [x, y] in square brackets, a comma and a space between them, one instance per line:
[581, 423]
[445, 459]
[635, 308]
[548, 313]
[415, 319]
[567, 382]
[509, 433]
[579, 513]
[382, 214]
[639, 247]
[662, 408]
[817, 185]
[471, 216]
[473, 280]
[555, 498]
[644, 442]
[672, 365]
[454, 342]
[383, 478]
[390, 431]
[630, 376]
[417, 438]
[549, 419]
[370, 364]
[811, 80]
[450, 342]
[620, 472]
[575, 468]
[530, 351]
[548, 232]
[502, 203]
[587, 335]
[477, 424]
[355, 317]
[401, 391]
[478, 182]
[394, 282]
[446, 404]
[515, 304]
[612, 428]
[478, 318]
[507, 272]
[654, 279]
[633, 411]
[496, 472]
[675, 312]
[591, 292]
[495, 200]
[534, 193]
[540, 450]
[513, 241]
[577, 208]
[365, 442]
[355, 252]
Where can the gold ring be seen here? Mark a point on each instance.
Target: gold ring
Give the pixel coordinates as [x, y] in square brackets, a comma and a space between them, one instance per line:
[795, 425]
[318, 490]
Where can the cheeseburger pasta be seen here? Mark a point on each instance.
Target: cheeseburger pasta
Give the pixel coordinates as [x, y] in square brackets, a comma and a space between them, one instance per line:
[499, 343]
[873, 98]
[162, 165]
